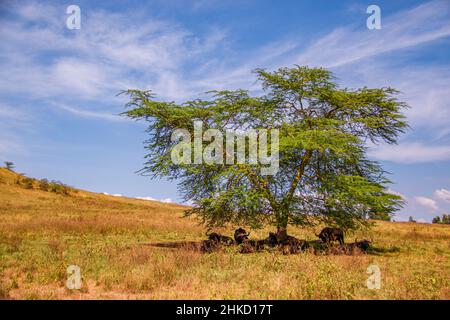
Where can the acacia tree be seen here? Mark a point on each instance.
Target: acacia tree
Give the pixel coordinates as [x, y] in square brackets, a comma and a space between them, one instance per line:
[324, 173]
[9, 165]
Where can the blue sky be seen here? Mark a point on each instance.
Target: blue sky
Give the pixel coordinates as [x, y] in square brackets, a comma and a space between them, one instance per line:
[58, 103]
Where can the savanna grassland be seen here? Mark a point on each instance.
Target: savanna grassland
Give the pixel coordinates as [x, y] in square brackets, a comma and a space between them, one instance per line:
[112, 240]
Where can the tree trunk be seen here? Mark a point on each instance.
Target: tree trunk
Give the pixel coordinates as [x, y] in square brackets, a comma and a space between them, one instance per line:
[281, 234]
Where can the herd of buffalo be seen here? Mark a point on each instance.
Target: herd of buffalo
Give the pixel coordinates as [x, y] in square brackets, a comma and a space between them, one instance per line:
[289, 245]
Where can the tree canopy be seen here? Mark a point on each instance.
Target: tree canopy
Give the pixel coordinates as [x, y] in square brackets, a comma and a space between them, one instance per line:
[324, 174]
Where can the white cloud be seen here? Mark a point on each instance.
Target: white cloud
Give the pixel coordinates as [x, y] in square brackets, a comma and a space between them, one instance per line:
[427, 203]
[110, 53]
[423, 87]
[146, 198]
[113, 195]
[374, 58]
[188, 203]
[116, 51]
[442, 194]
[396, 193]
[410, 152]
[90, 114]
[166, 200]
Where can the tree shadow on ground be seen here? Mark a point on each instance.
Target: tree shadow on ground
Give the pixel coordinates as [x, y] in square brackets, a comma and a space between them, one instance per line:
[318, 250]
[377, 251]
[185, 245]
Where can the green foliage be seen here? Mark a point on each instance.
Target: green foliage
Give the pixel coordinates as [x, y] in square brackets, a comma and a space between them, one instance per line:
[436, 219]
[445, 219]
[324, 174]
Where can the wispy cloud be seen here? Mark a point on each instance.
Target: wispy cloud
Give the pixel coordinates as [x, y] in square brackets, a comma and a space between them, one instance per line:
[90, 114]
[110, 53]
[413, 152]
[443, 195]
[426, 207]
[80, 72]
[428, 203]
[422, 24]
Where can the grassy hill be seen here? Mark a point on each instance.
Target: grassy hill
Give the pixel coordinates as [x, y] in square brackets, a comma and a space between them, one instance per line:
[112, 240]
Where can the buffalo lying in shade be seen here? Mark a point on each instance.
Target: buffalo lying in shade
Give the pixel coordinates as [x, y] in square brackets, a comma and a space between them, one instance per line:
[358, 247]
[331, 234]
[240, 235]
[291, 245]
[209, 246]
[217, 237]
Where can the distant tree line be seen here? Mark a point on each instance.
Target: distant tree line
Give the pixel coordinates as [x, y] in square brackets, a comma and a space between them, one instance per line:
[444, 220]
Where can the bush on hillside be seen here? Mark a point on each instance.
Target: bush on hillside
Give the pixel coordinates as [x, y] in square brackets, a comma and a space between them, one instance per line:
[25, 182]
[59, 188]
[44, 185]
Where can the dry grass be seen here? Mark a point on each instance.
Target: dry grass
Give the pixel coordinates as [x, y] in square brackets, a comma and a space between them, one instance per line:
[41, 233]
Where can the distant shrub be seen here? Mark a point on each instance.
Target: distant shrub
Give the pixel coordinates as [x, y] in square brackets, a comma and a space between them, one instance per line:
[25, 182]
[44, 185]
[59, 188]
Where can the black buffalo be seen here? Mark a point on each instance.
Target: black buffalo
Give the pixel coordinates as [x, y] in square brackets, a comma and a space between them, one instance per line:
[240, 235]
[271, 240]
[328, 235]
[357, 247]
[293, 245]
[209, 246]
[364, 245]
[217, 237]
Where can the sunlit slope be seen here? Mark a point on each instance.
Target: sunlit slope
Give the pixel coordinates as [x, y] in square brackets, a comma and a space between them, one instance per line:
[112, 240]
